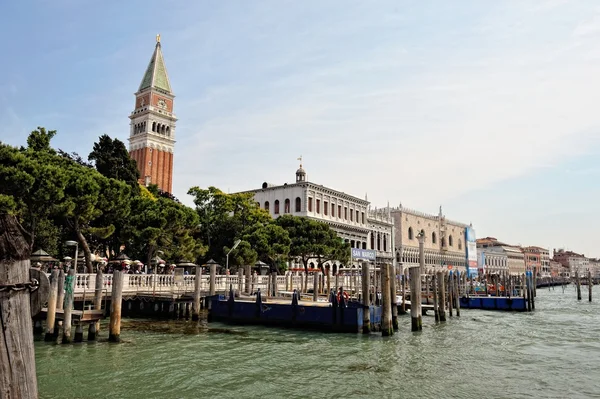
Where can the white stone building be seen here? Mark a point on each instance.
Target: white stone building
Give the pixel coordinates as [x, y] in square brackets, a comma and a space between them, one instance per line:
[444, 239]
[493, 261]
[350, 217]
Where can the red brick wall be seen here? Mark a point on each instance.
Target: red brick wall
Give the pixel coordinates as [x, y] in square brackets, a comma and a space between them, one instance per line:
[161, 169]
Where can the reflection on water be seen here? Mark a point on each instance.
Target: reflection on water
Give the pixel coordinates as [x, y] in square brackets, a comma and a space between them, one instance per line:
[553, 352]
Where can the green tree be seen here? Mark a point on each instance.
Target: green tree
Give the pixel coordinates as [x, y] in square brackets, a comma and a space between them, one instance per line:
[39, 140]
[163, 224]
[271, 243]
[112, 160]
[223, 218]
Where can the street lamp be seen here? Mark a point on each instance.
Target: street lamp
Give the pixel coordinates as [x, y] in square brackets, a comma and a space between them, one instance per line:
[76, 245]
[235, 244]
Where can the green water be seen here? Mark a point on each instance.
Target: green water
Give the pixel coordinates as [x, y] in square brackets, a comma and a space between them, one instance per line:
[551, 353]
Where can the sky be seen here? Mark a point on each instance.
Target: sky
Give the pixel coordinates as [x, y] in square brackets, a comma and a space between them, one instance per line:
[487, 108]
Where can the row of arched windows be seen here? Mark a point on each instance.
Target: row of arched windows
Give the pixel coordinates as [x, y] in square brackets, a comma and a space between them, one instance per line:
[411, 236]
[286, 206]
[161, 128]
[139, 127]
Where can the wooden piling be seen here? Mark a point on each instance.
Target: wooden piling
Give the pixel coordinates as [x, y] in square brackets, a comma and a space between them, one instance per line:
[248, 273]
[212, 282]
[578, 281]
[240, 281]
[116, 298]
[386, 306]
[197, 293]
[97, 304]
[79, 333]
[60, 301]
[457, 293]
[427, 289]
[416, 321]
[274, 284]
[68, 308]
[449, 296]
[435, 297]
[315, 286]
[403, 306]
[590, 285]
[51, 313]
[394, 294]
[441, 295]
[365, 279]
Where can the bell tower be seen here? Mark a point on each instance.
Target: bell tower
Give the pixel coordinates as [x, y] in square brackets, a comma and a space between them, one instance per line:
[152, 127]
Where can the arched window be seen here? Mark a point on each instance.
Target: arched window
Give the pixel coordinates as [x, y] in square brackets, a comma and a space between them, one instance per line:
[267, 205]
[276, 207]
[372, 241]
[450, 242]
[433, 238]
[163, 129]
[384, 243]
[364, 245]
[286, 206]
[459, 244]
[298, 204]
[410, 233]
[378, 242]
[352, 244]
[168, 131]
[154, 126]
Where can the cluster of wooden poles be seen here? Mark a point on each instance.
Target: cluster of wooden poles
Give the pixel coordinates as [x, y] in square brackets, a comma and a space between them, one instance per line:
[590, 282]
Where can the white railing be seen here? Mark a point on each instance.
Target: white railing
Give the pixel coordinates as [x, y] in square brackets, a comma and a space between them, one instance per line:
[161, 283]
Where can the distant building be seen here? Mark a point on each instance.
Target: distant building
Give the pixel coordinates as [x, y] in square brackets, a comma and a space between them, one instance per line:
[538, 259]
[350, 217]
[152, 127]
[444, 239]
[595, 267]
[515, 256]
[557, 270]
[492, 261]
[576, 263]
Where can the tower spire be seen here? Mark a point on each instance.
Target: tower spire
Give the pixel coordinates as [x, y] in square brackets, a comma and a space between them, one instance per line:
[152, 133]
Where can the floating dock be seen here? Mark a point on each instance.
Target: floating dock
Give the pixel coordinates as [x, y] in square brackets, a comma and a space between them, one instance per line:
[494, 303]
[345, 316]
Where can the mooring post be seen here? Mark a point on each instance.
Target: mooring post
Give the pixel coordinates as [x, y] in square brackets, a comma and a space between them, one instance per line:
[60, 301]
[441, 295]
[116, 298]
[394, 297]
[197, 288]
[403, 305]
[328, 274]
[457, 293]
[274, 283]
[213, 276]
[449, 298]
[248, 274]
[79, 332]
[67, 319]
[386, 301]
[51, 313]
[94, 328]
[240, 280]
[315, 286]
[415, 299]
[590, 285]
[435, 297]
[578, 281]
[366, 299]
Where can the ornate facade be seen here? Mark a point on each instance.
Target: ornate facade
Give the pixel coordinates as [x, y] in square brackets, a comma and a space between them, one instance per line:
[444, 239]
[350, 217]
[152, 127]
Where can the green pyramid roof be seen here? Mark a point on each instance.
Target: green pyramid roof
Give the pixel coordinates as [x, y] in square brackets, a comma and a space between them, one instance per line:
[156, 73]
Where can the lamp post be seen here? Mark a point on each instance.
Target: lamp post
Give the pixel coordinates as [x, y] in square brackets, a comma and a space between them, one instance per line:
[76, 245]
[235, 244]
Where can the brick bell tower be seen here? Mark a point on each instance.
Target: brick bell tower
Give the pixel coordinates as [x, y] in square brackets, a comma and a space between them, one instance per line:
[152, 132]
